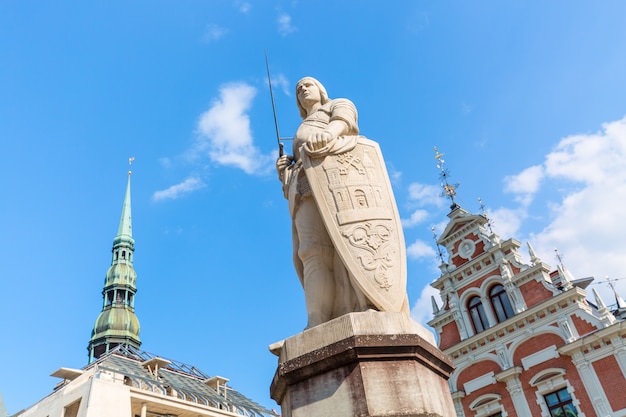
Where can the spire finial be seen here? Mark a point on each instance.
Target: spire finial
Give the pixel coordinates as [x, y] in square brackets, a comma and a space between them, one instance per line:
[566, 277]
[619, 301]
[559, 257]
[449, 190]
[437, 244]
[130, 163]
[534, 259]
[434, 304]
[489, 221]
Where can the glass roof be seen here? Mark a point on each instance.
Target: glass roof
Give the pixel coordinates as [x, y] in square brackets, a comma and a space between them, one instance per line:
[176, 379]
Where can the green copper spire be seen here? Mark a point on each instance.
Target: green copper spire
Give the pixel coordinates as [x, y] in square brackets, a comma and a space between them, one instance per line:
[117, 323]
[125, 231]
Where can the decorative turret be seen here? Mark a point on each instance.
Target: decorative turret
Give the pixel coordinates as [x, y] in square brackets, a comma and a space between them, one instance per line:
[117, 324]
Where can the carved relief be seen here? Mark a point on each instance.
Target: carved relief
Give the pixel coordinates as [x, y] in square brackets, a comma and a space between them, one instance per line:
[376, 252]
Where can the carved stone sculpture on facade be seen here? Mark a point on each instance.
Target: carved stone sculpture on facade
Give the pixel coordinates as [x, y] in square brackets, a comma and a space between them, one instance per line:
[348, 245]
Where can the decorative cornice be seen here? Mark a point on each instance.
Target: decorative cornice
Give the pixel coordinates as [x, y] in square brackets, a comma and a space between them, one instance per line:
[596, 340]
[508, 374]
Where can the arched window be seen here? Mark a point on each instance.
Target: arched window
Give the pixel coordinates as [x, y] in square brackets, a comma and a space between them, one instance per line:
[361, 198]
[500, 303]
[477, 314]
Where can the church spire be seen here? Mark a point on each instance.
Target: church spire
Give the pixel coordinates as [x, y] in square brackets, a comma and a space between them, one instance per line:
[117, 323]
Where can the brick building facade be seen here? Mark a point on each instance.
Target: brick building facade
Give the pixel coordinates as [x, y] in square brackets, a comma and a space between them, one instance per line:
[524, 339]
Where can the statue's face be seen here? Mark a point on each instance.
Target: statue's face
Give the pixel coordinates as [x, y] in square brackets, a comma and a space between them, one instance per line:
[308, 94]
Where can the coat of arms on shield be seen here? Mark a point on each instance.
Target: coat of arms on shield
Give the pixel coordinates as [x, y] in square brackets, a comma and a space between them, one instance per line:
[356, 202]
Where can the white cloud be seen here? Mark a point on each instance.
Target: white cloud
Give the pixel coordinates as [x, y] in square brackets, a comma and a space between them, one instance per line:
[425, 194]
[420, 250]
[586, 225]
[244, 7]
[165, 162]
[214, 32]
[507, 222]
[417, 217]
[178, 190]
[394, 174]
[281, 81]
[422, 310]
[284, 24]
[525, 184]
[224, 131]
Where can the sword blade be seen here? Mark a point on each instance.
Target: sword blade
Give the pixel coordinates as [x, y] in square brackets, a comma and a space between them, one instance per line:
[269, 81]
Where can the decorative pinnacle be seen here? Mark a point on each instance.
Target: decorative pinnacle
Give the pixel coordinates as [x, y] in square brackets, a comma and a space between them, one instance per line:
[618, 299]
[130, 163]
[449, 190]
[437, 244]
[559, 257]
[489, 222]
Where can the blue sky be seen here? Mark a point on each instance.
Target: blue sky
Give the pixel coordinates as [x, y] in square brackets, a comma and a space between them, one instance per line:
[526, 99]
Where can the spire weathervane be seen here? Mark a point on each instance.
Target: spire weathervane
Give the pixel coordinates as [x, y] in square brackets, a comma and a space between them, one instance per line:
[439, 253]
[559, 257]
[449, 190]
[130, 163]
[489, 222]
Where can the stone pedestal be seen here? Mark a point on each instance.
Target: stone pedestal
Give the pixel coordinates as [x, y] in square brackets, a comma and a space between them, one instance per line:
[366, 364]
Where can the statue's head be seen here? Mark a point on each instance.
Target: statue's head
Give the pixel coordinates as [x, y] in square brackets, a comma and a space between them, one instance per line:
[323, 94]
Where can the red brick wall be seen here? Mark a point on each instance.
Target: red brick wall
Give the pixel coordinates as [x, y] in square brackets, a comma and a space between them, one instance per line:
[612, 380]
[538, 343]
[480, 248]
[450, 336]
[479, 369]
[534, 293]
[582, 326]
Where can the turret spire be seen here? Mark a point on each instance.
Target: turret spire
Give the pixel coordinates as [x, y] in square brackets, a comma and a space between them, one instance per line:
[117, 323]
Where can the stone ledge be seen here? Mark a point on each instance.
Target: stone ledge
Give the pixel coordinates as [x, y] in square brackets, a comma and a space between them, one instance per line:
[368, 323]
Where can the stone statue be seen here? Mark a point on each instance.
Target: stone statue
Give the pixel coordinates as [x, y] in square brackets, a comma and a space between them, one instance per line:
[348, 246]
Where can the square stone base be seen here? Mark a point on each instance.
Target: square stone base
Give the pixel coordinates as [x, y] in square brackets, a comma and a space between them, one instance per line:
[360, 365]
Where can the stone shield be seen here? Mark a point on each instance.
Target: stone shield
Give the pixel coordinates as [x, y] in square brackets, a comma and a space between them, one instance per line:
[355, 199]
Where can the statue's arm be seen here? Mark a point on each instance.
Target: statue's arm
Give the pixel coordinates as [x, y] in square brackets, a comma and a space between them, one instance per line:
[343, 122]
[283, 168]
[344, 116]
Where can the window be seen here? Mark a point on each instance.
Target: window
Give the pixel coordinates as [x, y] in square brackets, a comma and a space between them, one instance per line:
[500, 303]
[477, 314]
[560, 404]
[72, 409]
[487, 405]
